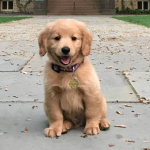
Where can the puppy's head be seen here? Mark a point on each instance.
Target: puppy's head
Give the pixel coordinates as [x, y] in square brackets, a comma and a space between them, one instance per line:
[65, 41]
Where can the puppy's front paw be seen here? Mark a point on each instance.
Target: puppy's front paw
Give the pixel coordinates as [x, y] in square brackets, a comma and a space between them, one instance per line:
[67, 125]
[52, 132]
[104, 125]
[93, 130]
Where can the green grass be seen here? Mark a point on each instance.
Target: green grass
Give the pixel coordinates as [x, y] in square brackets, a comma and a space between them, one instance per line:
[9, 19]
[140, 20]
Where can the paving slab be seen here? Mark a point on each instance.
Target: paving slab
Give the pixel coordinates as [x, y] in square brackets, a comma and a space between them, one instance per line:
[128, 57]
[21, 87]
[120, 62]
[115, 87]
[26, 48]
[140, 82]
[29, 87]
[102, 61]
[15, 116]
[36, 64]
[12, 63]
[14, 55]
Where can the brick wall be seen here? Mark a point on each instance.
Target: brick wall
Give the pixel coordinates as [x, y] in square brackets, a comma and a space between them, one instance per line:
[69, 7]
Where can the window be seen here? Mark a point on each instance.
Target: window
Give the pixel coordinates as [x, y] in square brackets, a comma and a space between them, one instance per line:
[4, 5]
[139, 5]
[145, 5]
[7, 5]
[10, 5]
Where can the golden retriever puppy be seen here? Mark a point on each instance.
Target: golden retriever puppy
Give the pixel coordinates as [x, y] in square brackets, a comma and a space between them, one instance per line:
[72, 89]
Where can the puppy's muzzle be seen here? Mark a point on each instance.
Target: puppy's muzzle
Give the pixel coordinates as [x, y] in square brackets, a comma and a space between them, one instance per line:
[65, 50]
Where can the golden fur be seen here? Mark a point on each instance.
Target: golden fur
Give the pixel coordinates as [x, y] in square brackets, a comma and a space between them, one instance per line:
[65, 107]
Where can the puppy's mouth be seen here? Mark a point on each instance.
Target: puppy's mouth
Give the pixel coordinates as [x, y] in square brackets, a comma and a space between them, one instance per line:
[65, 60]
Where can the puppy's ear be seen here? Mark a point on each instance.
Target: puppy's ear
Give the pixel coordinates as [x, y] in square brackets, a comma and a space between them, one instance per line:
[42, 39]
[86, 41]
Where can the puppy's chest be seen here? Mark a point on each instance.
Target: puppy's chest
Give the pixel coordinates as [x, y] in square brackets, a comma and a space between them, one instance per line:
[67, 82]
[71, 100]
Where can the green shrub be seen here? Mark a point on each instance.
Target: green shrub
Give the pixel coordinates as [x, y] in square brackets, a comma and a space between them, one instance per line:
[142, 11]
[137, 11]
[117, 9]
[147, 11]
[128, 10]
[131, 11]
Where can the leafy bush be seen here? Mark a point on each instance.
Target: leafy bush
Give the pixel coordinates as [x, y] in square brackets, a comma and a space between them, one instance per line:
[131, 11]
[127, 9]
[136, 11]
[117, 9]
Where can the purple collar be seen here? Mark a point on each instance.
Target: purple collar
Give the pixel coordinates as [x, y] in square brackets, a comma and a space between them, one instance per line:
[58, 69]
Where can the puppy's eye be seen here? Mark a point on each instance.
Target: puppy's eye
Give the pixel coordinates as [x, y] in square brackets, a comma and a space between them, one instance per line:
[57, 38]
[74, 38]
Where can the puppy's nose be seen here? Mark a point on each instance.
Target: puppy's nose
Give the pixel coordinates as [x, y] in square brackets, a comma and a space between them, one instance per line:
[65, 50]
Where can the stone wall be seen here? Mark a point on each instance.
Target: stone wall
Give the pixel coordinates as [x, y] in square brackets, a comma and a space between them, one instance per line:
[29, 8]
[127, 4]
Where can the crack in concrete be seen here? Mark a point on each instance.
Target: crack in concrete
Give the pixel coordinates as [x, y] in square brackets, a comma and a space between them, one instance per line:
[27, 62]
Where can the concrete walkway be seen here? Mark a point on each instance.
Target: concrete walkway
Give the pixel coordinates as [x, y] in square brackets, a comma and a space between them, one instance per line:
[121, 56]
